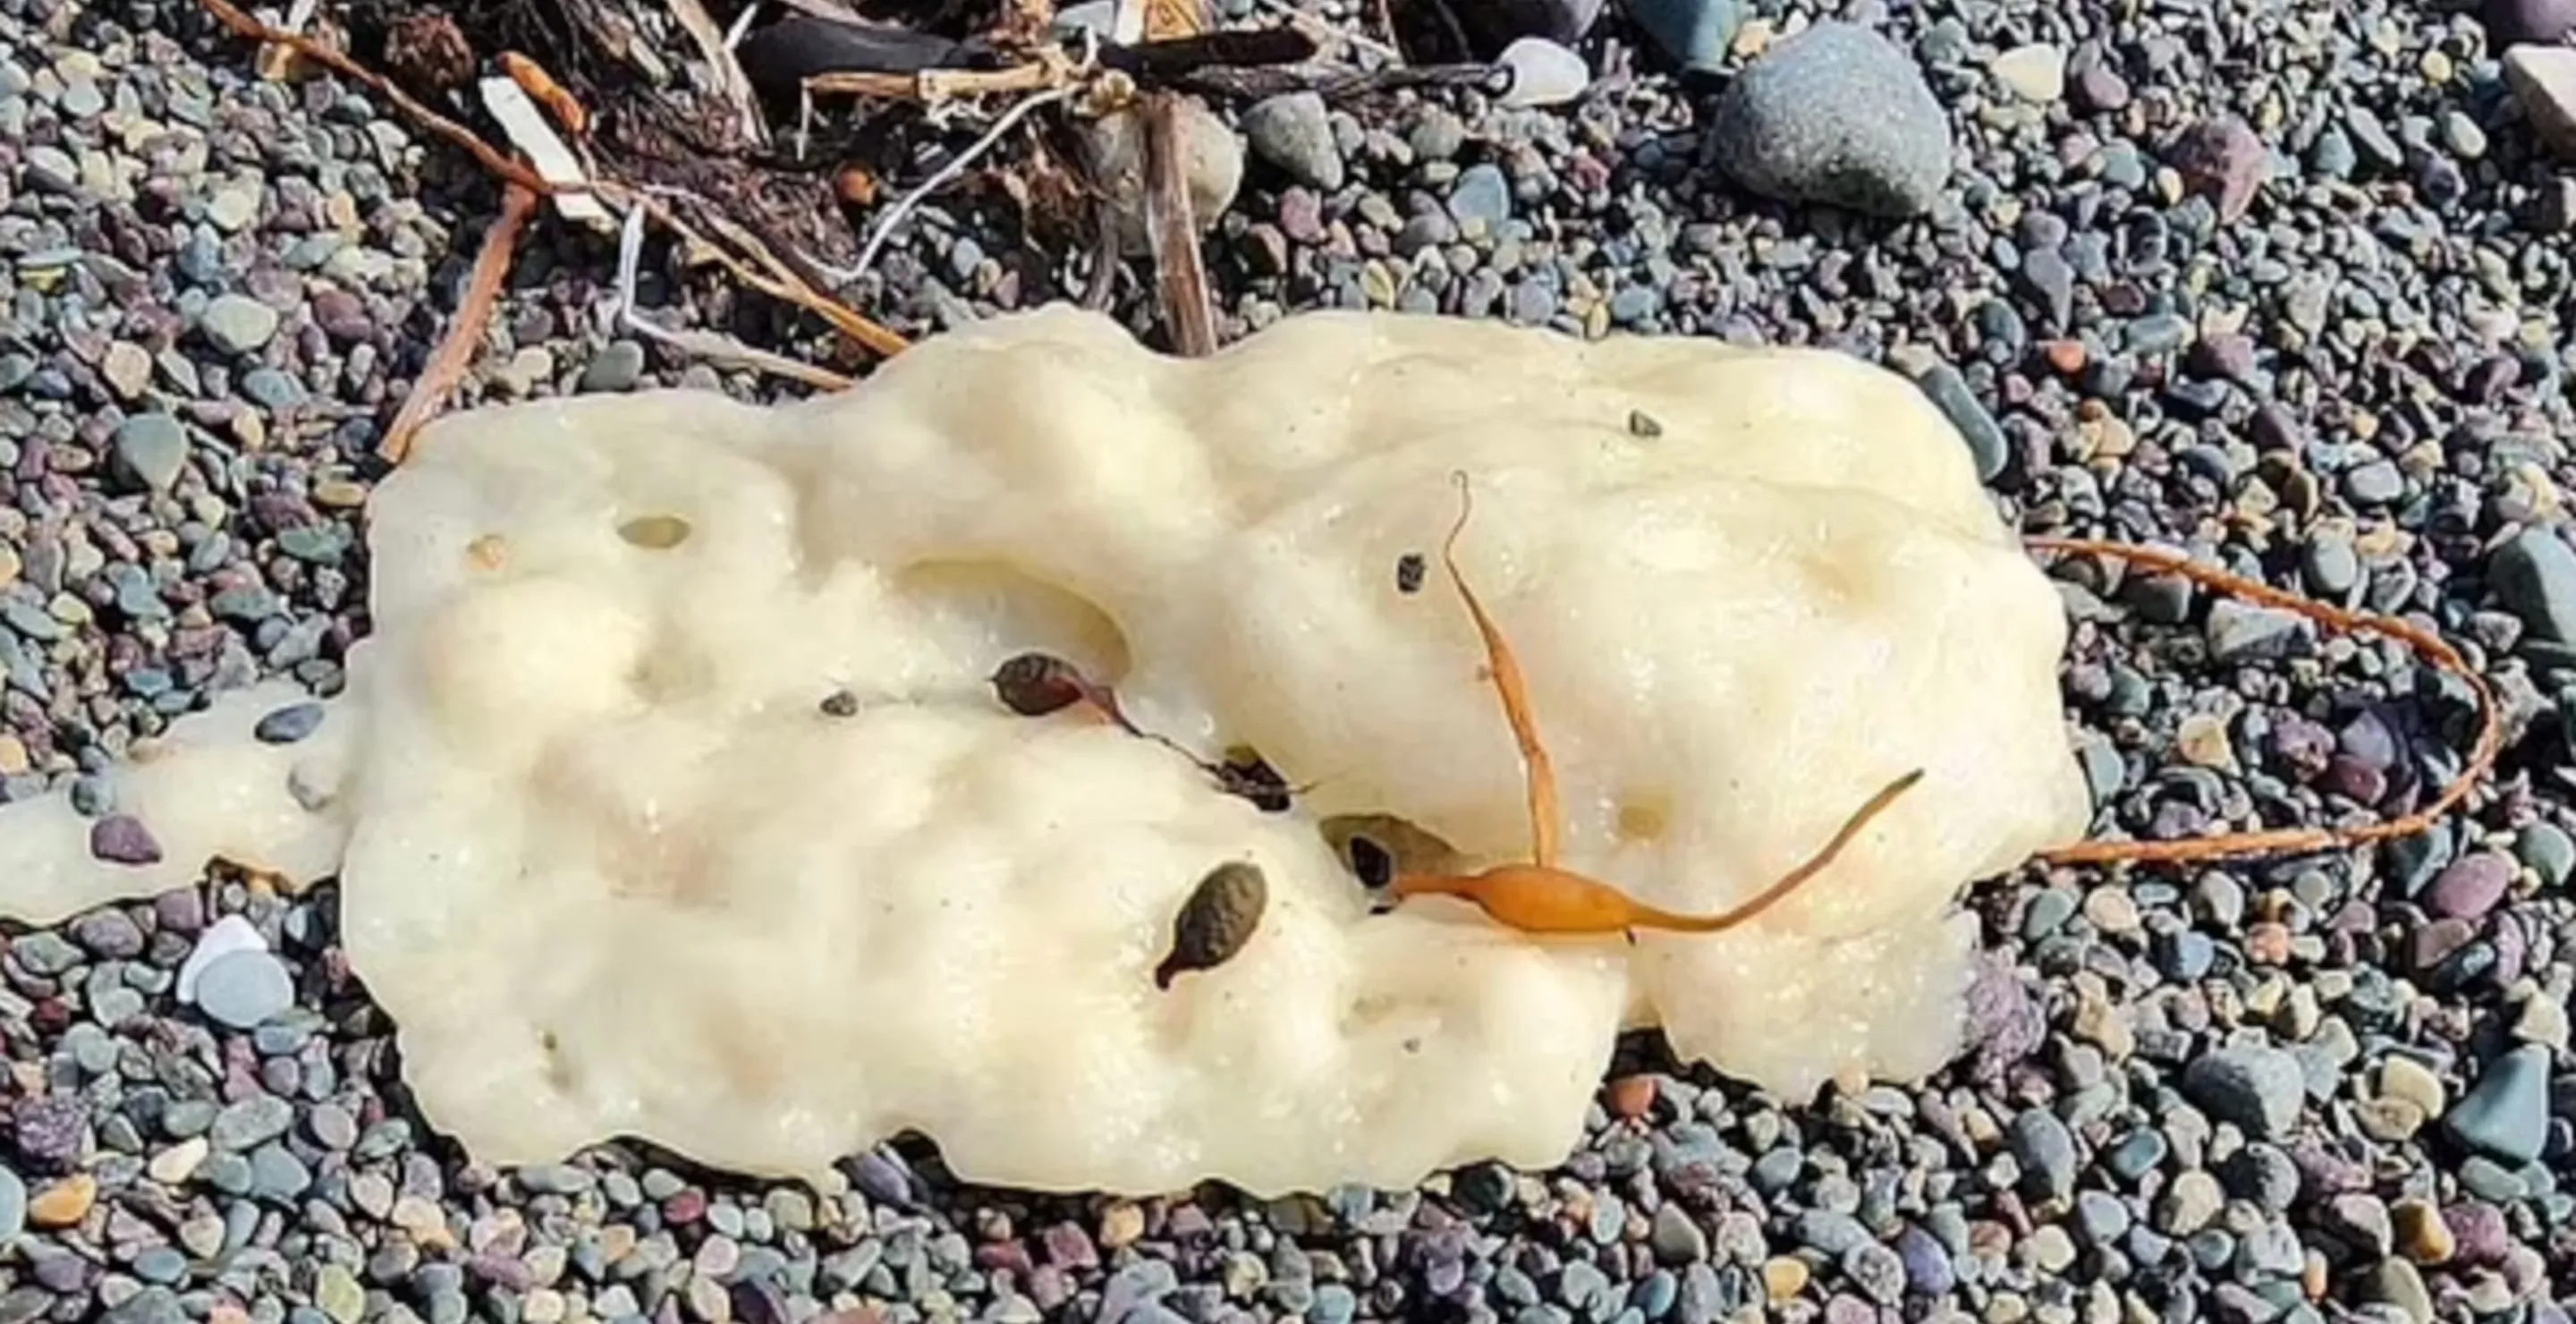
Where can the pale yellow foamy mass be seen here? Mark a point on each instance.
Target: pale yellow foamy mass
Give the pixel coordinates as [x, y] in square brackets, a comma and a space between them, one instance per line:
[613, 869]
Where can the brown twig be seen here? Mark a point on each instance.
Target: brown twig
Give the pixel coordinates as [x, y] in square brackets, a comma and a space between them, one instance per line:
[1180, 274]
[447, 363]
[484, 153]
[2424, 644]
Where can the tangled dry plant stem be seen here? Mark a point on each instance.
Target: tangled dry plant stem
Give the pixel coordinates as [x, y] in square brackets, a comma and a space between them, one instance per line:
[2299, 840]
[778, 282]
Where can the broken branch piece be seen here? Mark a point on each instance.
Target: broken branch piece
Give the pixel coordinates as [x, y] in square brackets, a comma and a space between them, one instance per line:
[447, 363]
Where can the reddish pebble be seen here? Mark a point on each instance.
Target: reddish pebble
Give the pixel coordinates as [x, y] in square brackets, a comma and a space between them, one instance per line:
[2470, 887]
[122, 839]
[1632, 1096]
[2066, 356]
[2478, 1233]
[684, 1208]
[2267, 943]
[2427, 946]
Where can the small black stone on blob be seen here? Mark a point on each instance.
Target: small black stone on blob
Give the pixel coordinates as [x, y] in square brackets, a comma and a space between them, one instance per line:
[1217, 920]
[1643, 424]
[285, 726]
[1370, 861]
[1409, 569]
[840, 703]
[1247, 774]
[1035, 684]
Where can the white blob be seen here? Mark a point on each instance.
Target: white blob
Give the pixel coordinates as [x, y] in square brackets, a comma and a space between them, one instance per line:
[613, 869]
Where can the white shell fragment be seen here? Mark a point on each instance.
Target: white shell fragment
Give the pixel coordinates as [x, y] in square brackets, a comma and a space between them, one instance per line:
[614, 866]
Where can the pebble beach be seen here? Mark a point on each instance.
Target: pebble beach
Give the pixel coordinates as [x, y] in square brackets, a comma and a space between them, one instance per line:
[2286, 282]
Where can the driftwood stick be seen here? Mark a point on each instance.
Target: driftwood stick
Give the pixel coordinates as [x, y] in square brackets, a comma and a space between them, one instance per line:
[1180, 274]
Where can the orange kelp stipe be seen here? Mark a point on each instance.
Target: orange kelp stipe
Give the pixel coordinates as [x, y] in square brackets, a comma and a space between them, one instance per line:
[1537, 897]
[2422, 643]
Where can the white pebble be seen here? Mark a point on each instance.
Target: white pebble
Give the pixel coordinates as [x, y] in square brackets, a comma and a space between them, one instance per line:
[2035, 73]
[230, 934]
[1543, 73]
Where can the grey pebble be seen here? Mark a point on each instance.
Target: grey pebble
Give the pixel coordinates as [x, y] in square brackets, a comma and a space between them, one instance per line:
[1838, 115]
[2547, 850]
[2534, 574]
[2239, 632]
[237, 324]
[250, 1122]
[1294, 132]
[277, 1174]
[2259, 1088]
[1877, 1271]
[13, 1205]
[618, 366]
[2046, 1150]
[152, 449]
[1481, 200]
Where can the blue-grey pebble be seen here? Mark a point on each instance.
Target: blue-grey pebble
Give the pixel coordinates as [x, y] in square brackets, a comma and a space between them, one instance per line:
[1837, 115]
[1948, 390]
[2547, 850]
[243, 988]
[161, 1264]
[247, 1123]
[2506, 1114]
[1830, 1232]
[1695, 33]
[272, 390]
[1481, 199]
[2046, 1152]
[2103, 1218]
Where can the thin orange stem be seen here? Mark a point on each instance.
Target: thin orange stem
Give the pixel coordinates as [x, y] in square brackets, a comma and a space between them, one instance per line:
[1538, 773]
[1650, 917]
[2442, 656]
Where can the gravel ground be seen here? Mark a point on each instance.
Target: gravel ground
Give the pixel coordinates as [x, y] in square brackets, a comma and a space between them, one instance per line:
[2323, 339]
